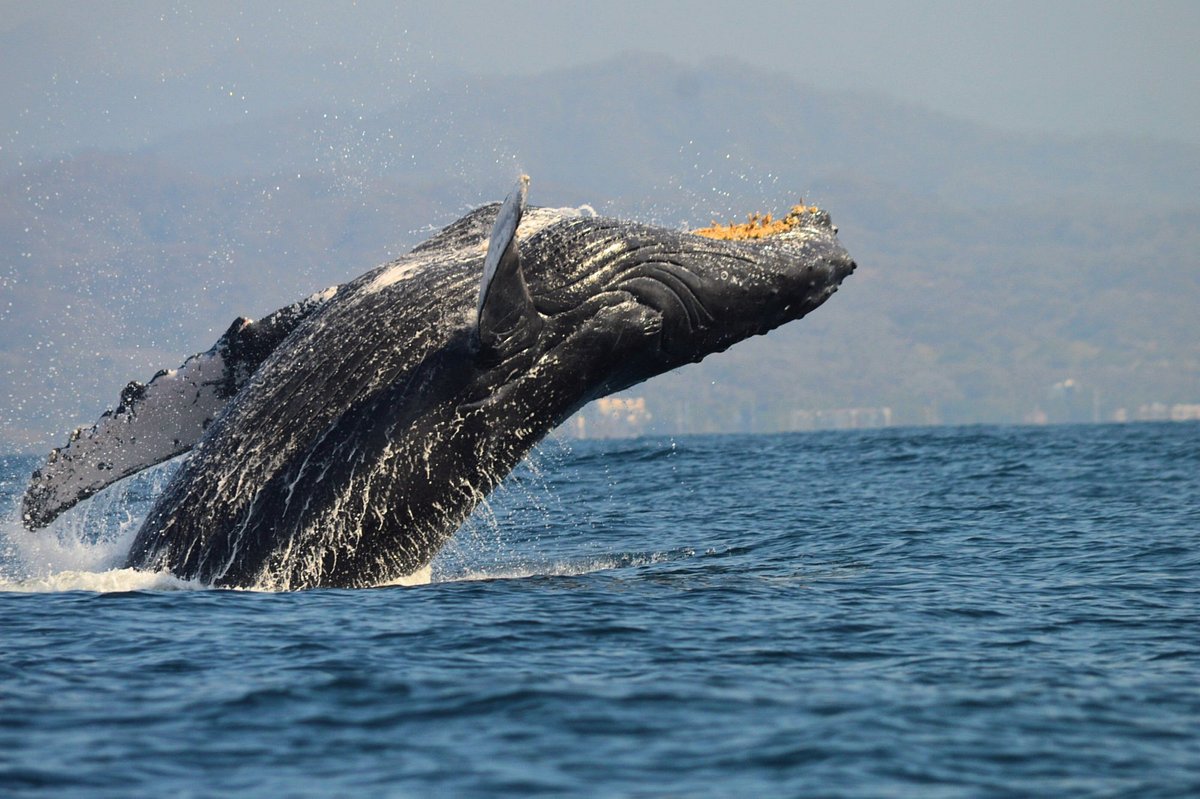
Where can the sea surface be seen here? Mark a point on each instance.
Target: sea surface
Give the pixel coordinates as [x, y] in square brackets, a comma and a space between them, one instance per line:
[963, 612]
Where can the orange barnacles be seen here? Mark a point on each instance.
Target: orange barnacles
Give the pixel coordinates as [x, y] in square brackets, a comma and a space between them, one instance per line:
[757, 226]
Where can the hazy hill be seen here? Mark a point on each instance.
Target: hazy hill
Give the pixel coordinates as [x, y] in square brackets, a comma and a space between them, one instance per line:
[648, 129]
[994, 266]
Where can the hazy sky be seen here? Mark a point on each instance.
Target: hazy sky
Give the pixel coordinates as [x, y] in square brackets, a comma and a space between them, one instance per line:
[1064, 67]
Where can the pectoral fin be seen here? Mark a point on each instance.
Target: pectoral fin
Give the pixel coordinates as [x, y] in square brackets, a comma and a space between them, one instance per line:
[158, 420]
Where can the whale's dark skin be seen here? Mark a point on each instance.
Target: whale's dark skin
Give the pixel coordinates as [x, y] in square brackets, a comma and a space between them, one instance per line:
[369, 434]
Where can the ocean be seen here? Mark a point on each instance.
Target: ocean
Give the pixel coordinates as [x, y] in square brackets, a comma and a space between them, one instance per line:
[943, 612]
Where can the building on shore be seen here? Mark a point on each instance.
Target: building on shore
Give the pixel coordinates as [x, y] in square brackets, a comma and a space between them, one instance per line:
[610, 417]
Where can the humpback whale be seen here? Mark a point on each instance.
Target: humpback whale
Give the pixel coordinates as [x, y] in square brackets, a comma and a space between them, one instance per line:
[341, 441]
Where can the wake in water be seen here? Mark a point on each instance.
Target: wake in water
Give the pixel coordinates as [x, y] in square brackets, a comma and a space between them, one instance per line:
[570, 567]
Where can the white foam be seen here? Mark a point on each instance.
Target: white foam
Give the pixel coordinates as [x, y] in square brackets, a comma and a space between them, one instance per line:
[61, 547]
[85, 548]
[562, 568]
[110, 581]
[419, 577]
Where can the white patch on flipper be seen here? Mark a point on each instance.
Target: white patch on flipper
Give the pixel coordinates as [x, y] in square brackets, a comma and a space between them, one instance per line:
[157, 421]
[168, 419]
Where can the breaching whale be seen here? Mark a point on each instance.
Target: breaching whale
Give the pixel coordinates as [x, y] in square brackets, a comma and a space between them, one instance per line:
[343, 440]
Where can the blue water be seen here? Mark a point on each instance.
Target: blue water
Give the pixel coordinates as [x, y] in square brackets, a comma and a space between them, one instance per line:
[943, 612]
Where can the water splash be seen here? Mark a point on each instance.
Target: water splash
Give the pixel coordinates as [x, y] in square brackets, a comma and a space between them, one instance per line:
[84, 549]
[510, 524]
[528, 527]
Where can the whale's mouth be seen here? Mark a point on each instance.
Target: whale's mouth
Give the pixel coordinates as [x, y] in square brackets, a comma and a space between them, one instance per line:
[762, 226]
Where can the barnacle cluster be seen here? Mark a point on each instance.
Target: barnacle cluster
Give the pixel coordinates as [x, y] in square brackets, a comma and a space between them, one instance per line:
[758, 226]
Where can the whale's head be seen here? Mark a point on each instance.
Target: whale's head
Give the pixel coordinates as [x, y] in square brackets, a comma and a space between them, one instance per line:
[600, 304]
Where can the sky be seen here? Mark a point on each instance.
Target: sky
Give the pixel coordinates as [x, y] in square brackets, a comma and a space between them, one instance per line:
[86, 74]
